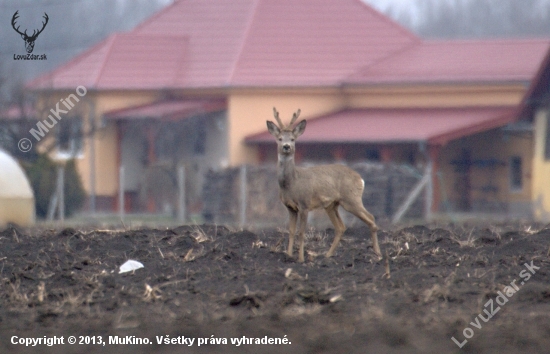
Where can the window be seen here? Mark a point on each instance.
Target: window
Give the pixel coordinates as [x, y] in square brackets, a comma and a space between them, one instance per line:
[516, 175]
[372, 154]
[69, 137]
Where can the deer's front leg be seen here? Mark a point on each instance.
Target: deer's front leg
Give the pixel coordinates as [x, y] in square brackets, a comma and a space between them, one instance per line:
[301, 234]
[292, 229]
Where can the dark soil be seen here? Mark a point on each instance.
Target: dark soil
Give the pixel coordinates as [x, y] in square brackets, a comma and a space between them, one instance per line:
[214, 283]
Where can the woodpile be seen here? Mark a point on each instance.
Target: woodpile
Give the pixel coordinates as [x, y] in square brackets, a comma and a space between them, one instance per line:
[220, 196]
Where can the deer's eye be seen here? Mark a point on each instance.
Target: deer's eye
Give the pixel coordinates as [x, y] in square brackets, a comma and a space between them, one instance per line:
[291, 139]
[280, 139]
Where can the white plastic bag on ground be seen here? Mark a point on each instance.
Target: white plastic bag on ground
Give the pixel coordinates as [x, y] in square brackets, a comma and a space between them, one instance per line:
[129, 266]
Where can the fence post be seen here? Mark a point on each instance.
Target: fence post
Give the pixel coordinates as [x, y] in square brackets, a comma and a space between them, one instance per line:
[181, 194]
[91, 141]
[61, 193]
[52, 207]
[429, 191]
[243, 196]
[121, 193]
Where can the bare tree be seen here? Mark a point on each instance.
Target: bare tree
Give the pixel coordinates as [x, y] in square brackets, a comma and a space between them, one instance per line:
[473, 18]
[89, 23]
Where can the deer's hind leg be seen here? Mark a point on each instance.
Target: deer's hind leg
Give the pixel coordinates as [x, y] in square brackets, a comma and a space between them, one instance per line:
[301, 233]
[359, 210]
[339, 227]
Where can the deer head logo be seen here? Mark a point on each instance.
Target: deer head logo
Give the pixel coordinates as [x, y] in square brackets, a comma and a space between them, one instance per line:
[29, 40]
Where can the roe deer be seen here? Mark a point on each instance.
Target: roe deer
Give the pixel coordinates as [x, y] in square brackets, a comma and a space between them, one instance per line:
[326, 186]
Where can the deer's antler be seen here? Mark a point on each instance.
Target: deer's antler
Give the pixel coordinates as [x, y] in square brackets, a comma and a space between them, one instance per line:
[280, 122]
[294, 117]
[276, 115]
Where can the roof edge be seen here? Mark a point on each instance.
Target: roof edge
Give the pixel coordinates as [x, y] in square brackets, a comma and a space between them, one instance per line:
[441, 139]
[391, 21]
[497, 122]
[154, 16]
[107, 41]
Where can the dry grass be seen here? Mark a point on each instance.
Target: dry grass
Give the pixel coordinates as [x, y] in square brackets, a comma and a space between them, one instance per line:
[469, 241]
[152, 293]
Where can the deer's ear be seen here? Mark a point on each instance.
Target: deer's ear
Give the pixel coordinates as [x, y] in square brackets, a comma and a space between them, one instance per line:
[299, 129]
[273, 129]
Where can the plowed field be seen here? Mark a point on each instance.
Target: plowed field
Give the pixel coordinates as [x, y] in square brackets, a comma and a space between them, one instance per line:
[486, 287]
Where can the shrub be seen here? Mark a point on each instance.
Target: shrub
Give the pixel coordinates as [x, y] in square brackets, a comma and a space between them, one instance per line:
[42, 174]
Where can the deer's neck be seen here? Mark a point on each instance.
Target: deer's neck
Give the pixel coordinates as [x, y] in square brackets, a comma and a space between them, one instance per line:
[286, 171]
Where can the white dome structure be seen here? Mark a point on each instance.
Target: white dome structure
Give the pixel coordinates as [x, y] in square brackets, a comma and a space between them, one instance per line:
[16, 196]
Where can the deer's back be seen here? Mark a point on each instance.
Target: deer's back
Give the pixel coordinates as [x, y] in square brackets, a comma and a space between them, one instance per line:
[319, 186]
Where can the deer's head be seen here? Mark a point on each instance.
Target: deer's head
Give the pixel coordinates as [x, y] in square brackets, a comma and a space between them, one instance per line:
[286, 135]
[29, 40]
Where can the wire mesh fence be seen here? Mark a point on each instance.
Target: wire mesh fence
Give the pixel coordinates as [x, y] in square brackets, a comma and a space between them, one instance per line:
[387, 186]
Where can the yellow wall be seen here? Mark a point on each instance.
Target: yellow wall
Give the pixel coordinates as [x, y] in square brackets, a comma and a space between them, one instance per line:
[541, 169]
[249, 110]
[105, 140]
[494, 144]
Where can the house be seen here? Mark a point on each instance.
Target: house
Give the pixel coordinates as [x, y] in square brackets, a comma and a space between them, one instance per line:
[535, 119]
[194, 84]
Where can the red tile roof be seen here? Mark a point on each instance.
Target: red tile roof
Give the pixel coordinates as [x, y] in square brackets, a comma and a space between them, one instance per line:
[435, 126]
[459, 61]
[219, 43]
[304, 42]
[123, 60]
[168, 110]
[297, 43]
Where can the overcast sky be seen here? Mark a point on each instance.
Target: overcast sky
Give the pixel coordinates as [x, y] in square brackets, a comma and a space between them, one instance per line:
[397, 6]
[384, 4]
[470, 18]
